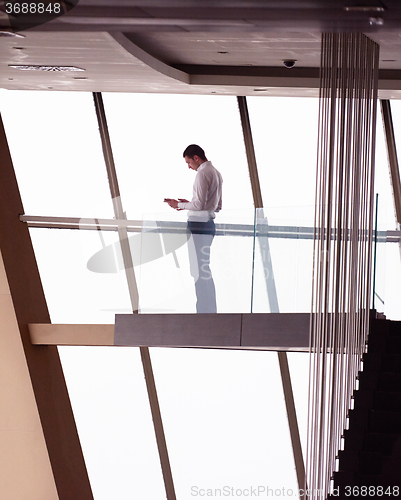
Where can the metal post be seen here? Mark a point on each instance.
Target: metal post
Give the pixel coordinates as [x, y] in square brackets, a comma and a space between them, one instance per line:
[392, 159]
[392, 155]
[129, 270]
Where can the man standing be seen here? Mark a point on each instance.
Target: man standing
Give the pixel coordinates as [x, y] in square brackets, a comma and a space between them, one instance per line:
[206, 201]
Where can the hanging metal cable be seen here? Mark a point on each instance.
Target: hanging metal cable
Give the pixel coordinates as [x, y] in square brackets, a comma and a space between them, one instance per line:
[343, 242]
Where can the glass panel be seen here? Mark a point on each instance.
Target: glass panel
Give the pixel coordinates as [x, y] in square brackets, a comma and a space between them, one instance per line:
[225, 421]
[74, 293]
[392, 295]
[387, 289]
[111, 408]
[388, 261]
[283, 260]
[380, 247]
[241, 267]
[149, 133]
[167, 260]
[57, 155]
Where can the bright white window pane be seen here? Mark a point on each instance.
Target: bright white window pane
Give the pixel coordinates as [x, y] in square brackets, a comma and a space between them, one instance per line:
[111, 409]
[149, 133]
[285, 138]
[56, 151]
[223, 411]
[224, 419]
[396, 115]
[74, 293]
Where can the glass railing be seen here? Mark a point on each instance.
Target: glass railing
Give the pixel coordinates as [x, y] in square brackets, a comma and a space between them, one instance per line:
[386, 289]
[260, 261]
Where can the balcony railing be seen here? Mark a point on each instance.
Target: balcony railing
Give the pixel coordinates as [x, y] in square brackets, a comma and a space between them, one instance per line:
[261, 261]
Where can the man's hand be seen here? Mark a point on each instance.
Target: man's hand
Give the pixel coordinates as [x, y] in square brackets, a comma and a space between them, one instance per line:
[182, 200]
[172, 203]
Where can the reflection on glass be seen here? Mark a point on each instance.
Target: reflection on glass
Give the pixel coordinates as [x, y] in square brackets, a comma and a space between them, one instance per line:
[265, 267]
[74, 293]
[260, 262]
[63, 174]
[283, 259]
[167, 276]
[111, 409]
[225, 420]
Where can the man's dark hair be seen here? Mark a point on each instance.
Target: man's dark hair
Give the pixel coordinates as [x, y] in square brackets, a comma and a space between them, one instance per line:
[194, 149]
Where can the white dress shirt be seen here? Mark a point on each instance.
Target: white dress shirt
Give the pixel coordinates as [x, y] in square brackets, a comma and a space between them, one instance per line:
[206, 195]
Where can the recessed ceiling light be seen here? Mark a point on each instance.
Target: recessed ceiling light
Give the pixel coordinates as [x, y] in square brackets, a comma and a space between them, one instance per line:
[10, 34]
[34, 67]
[376, 21]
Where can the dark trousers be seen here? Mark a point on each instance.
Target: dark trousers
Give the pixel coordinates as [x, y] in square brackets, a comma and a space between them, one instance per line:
[202, 234]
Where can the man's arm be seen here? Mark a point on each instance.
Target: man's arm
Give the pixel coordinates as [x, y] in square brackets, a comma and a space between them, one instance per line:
[219, 205]
[174, 203]
[220, 202]
[199, 197]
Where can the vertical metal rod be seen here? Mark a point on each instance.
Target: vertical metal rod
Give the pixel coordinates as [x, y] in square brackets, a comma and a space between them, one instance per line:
[271, 288]
[115, 195]
[343, 237]
[129, 270]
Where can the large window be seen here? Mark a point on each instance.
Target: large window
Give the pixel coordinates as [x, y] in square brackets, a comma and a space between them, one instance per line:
[223, 411]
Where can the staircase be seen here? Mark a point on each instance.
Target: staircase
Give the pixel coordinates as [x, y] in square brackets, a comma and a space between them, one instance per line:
[372, 442]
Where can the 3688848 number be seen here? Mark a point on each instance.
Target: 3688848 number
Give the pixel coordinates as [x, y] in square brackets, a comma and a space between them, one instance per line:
[371, 491]
[33, 8]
